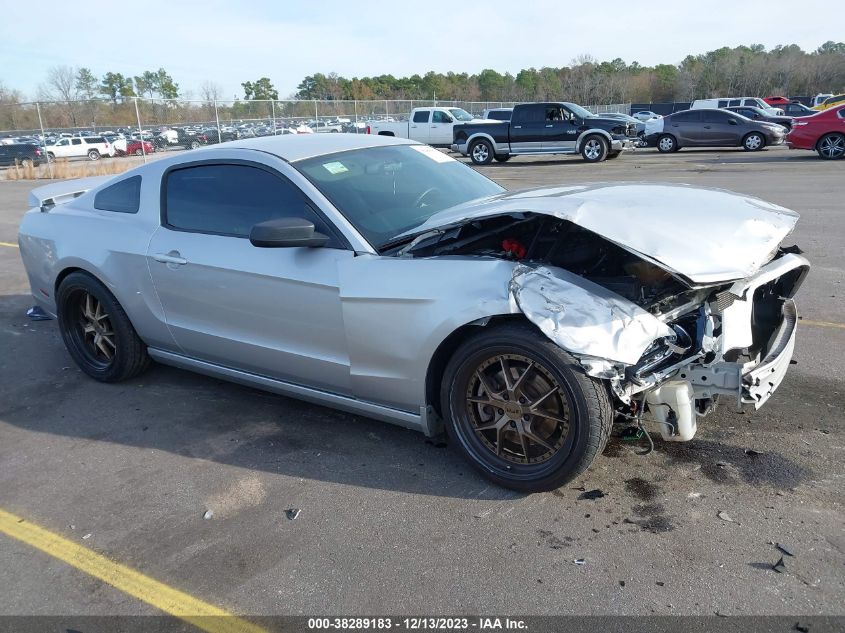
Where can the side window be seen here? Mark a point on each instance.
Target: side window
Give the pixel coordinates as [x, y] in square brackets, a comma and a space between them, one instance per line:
[723, 103]
[529, 114]
[76, 141]
[231, 199]
[63, 142]
[842, 113]
[122, 197]
[556, 113]
[714, 116]
[736, 102]
[440, 117]
[421, 116]
[688, 116]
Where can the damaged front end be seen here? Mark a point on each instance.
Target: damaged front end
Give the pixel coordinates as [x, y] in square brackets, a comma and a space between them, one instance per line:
[669, 340]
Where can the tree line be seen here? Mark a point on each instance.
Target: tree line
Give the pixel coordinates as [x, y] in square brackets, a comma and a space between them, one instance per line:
[741, 71]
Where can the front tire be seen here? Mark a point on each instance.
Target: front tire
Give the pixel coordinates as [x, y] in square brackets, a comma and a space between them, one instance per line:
[522, 411]
[481, 152]
[96, 331]
[753, 142]
[831, 146]
[502, 158]
[594, 149]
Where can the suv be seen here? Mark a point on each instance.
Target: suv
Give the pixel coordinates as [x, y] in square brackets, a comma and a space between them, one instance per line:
[24, 154]
[735, 102]
[91, 146]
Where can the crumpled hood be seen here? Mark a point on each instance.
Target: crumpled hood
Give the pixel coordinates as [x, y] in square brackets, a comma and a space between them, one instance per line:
[706, 236]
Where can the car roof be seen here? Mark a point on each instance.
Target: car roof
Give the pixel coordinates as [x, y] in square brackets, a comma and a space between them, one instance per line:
[294, 147]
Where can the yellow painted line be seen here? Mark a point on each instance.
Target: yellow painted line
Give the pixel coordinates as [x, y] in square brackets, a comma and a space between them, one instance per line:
[9, 244]
[840, 326]
[202, 615]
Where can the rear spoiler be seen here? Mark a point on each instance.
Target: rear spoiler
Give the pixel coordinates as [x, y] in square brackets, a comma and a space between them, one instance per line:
[58, 193]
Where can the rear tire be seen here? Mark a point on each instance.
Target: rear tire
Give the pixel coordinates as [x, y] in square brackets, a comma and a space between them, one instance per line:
[93, 154]
[667, 143]
[139, 152]
[481, 152]
[831, 146]
[96, 331]
[595, 149]
[26, 163]
[546, 423]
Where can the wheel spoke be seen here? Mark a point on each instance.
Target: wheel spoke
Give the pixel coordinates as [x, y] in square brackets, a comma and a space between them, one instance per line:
[538, 440]
[537, 402]
[549, 416]
[506, 372]
[476, 400]
[484, 383]
[522, 376]
[523, 439]
[498, 424]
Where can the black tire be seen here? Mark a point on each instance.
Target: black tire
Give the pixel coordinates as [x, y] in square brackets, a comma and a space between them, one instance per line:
[194, 145]
[129, 354]
[50, 157]
[667, 143]
[502, 158]
[93, 154]
[26, 163]
[594, 149]
[582, 404]
[831, 146]
[139, 152]
[753, 142]
[613, 155]
[481, 152]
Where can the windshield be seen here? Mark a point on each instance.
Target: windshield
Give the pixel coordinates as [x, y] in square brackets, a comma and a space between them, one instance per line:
[385, 191]
[460, 114]
[581, 113]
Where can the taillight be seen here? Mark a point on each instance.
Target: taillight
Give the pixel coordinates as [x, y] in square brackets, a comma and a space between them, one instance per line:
[369, 130]
[38, 152]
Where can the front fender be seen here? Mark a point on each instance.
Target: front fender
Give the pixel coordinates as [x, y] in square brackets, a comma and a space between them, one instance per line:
[587, 133]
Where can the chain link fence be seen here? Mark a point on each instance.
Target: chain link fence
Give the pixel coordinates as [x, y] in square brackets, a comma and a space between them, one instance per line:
[181, 124]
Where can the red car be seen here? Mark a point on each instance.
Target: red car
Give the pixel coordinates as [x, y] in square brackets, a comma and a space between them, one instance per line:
[777, 101]
[134, 147]
[823, 132]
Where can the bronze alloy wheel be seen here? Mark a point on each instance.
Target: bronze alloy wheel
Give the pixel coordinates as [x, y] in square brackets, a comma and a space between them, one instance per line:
[93, 329]
[517, 409]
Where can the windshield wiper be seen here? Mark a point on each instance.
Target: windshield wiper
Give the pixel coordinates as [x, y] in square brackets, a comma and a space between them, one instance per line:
[419, 238]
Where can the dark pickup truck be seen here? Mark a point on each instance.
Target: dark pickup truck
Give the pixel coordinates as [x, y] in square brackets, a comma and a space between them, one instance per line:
[544, 128]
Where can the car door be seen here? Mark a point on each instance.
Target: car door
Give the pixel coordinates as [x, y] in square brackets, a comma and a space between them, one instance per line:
[719, 128]
[61, 149]
[528, 127]
[274, 312]
[441, 128]
[418, 126]
[5, 155]
[561, 129]
[77, 148]
[686, 127]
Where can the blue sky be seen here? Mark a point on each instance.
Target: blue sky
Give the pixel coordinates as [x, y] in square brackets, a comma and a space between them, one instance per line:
[229, 43]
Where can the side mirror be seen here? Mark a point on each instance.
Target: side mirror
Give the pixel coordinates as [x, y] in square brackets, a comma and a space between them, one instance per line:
[285, 233]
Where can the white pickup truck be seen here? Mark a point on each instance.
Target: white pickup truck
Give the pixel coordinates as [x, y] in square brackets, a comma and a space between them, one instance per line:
[427, 125]
[91, 146]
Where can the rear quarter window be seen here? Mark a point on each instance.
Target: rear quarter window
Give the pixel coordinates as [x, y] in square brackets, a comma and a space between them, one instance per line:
[121, 197]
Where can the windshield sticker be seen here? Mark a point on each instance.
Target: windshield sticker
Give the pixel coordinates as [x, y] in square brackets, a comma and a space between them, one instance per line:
[335, 168]
[436, 155]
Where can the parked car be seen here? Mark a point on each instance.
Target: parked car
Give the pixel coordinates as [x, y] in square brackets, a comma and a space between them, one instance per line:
[777, 101]
[213, 135]
[831, 102]
[408, 287]
[756, 114]
[824, 132]
[433, 126]
[24, 154]
[139, 148]
[797, 109]
[711, 128]
[820, 98]
[497, 114]
[639, 126]
[91, 146]
[732, 102]
[645, 115]
[320, 127]
[544, 128]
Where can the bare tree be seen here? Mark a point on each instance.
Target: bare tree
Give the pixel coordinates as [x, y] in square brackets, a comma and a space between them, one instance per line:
[211, 92]
[61, 86]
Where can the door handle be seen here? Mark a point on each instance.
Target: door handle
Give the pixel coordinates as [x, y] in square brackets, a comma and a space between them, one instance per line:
[549, 125]
[517, 127]
[173, 257]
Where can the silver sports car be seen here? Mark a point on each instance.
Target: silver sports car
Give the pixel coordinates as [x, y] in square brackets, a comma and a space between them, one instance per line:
[382, 277]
